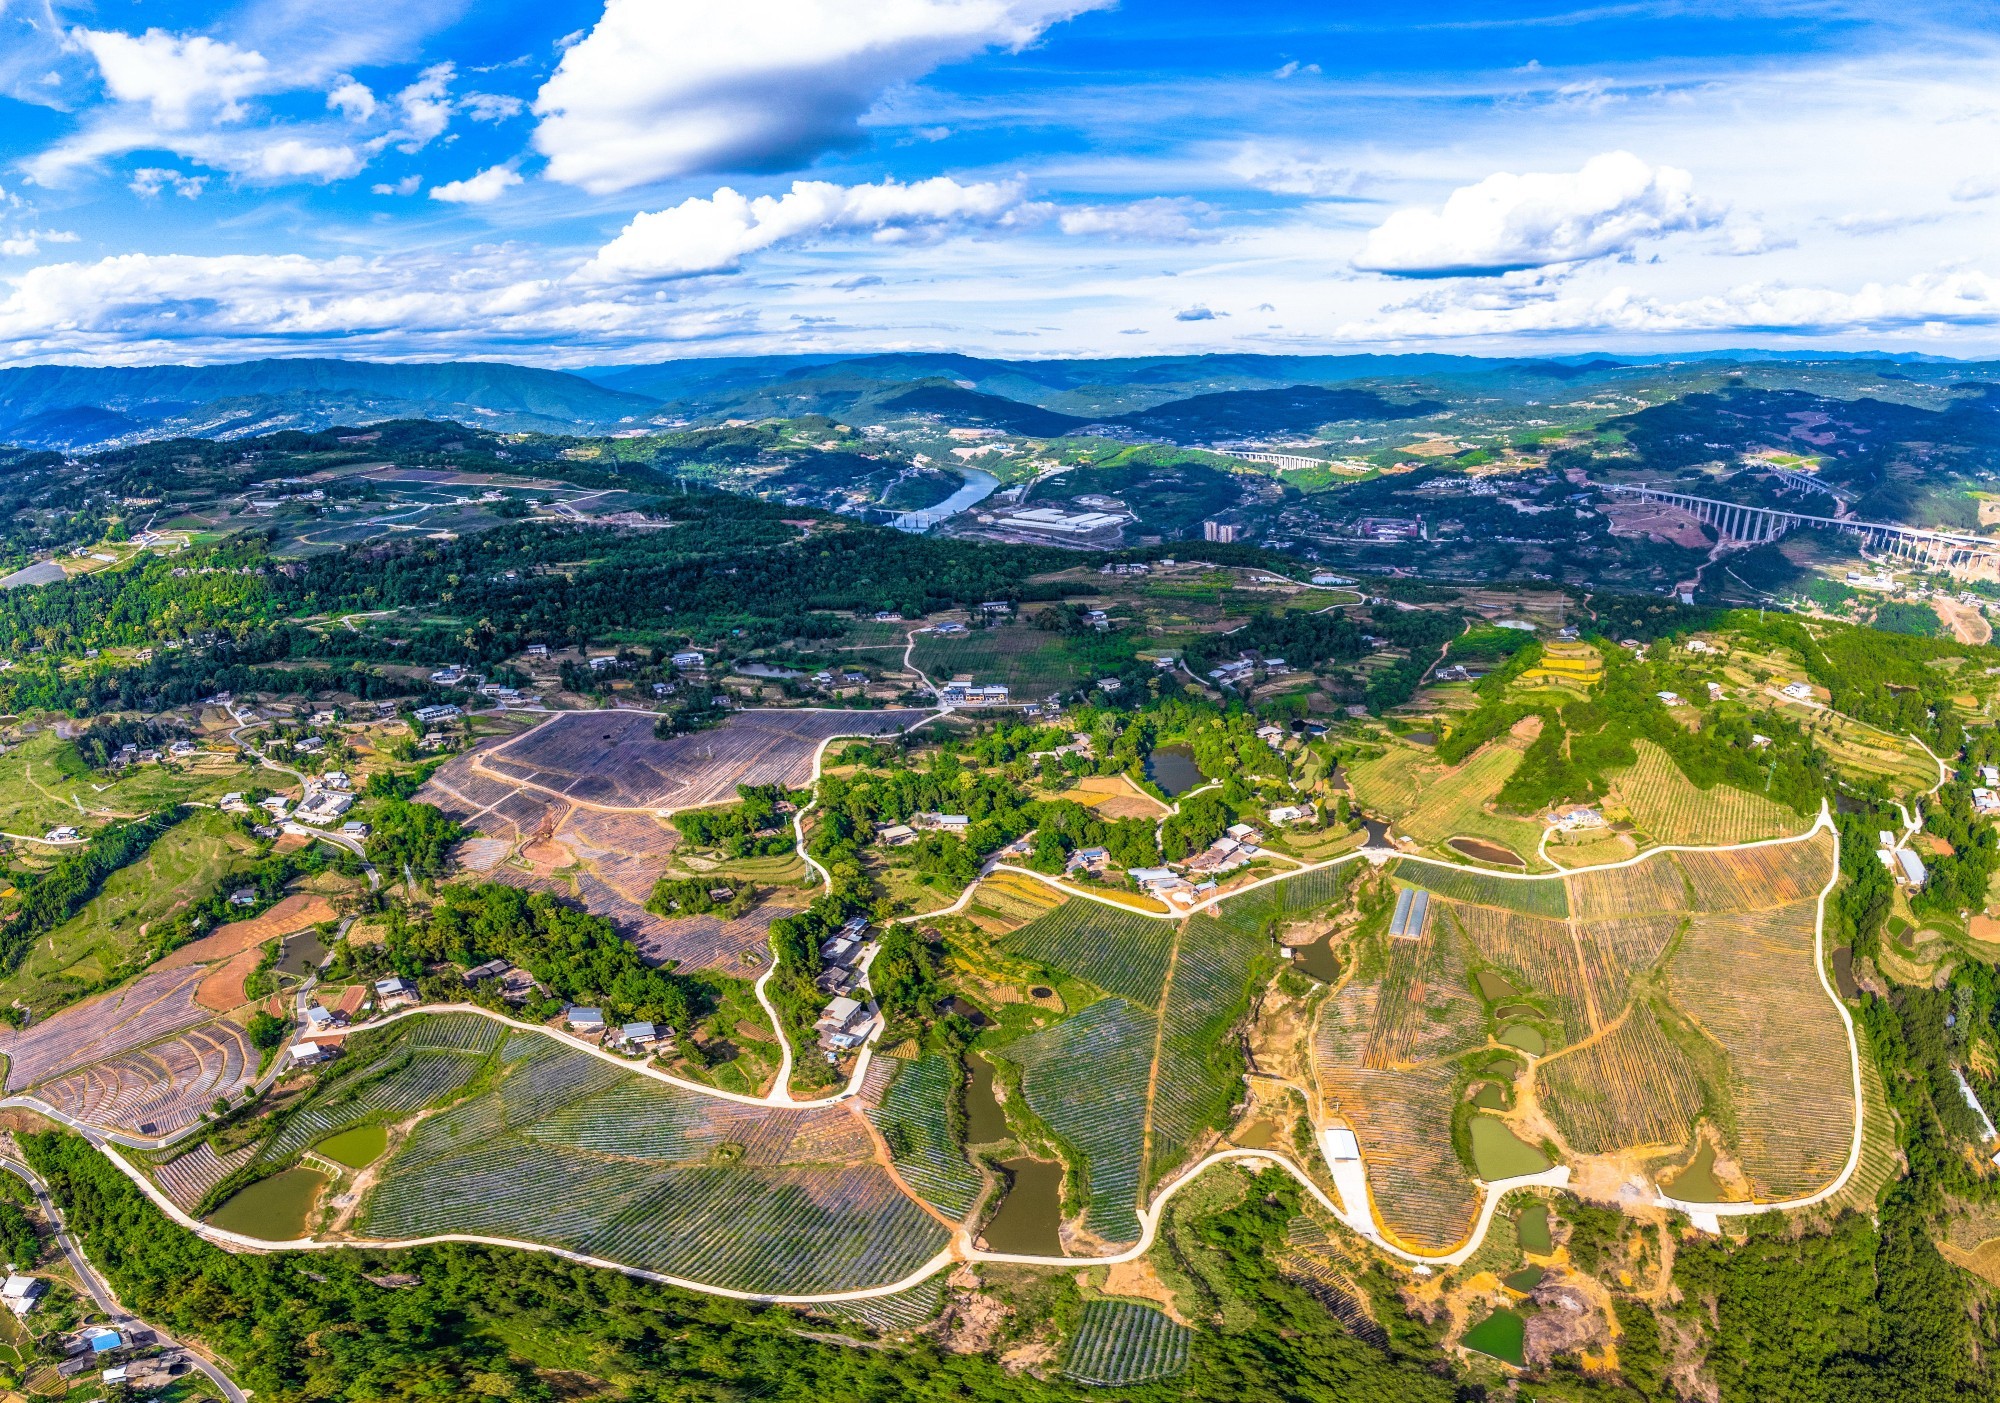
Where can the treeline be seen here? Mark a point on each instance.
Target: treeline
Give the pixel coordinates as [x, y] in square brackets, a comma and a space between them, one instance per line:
[577, 957]
[46, 899]
[754, 827]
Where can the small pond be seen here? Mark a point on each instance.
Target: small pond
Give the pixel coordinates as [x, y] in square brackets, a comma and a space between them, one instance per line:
[1421, 737]
[1503, 1335]
[1490, 1096]
[1029, 1219]
[1258, 1135]
[1493, 987]
[1378, 833]
[1506, 1011]
[1482, 851]
[1697, 1183]
[302, 955]
[1532, 1227]
[985, 1119]
[1524, 1037]
[1497, 1153]
[1172, 767]
[1318, 959]
[357, 1148]
[275, 1209]
[1524, 1280]
[1843, 973]
[964, 1010]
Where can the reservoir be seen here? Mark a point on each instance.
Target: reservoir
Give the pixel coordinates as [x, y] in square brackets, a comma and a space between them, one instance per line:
[1030, 1216]
[978, 487]
[275, 1209]
[1172, 767]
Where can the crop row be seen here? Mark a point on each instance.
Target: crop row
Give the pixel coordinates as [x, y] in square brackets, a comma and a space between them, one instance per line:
[1671, 808]
[461, 1032]
[1750, 980]
[792, 1230]
[1751, 879]
[1087, 1078]
[1427, 1008]
[1632, 1087]
[1530, 897]
[1121, 1343]
[1650, 886]
[545, 1076]
[1122, 953]
[914, 1120]
[1543, 956]
[410, 1084]
[1200, 1068]
[889, 1315]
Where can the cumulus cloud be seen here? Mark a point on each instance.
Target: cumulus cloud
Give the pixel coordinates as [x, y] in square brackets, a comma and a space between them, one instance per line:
[658, 91]
[1509, 221]
[491, 107]
[713, 234]
[351, 99]
[481, 189]
[1163, 218]
[28, 243]
[148, 181]
[178, 78]
[408, 185]
[426, 107]
[1196, 313]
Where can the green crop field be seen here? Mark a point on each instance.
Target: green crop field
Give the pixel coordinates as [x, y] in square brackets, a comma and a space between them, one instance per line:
[1452, 804]
[1214, 975]
[572, 1151]
[1032, 661]
[1667, 807]
[1539, 897]
[1121, 1343]
[1121, 953]
[1087, 1078]
[914, 1122]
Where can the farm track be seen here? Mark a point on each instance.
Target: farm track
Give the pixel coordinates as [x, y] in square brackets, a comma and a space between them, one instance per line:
[1147, 1216]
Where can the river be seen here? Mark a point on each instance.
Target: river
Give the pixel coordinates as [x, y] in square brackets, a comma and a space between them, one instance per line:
[979, 485]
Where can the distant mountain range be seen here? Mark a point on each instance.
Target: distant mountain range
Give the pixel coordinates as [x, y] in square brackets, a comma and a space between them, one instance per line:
[1180, 399]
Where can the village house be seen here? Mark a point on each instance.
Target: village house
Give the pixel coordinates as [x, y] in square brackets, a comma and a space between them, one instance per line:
[585, 1020]
[393, 991]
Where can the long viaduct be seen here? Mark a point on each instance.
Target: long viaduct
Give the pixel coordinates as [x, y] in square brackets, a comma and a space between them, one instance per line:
[1738, 524]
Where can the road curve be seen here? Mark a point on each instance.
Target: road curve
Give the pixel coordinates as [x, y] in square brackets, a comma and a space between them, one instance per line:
[102, 1294]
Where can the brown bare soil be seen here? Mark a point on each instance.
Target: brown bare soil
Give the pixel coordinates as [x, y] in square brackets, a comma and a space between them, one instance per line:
[294, 913]
[222, 987]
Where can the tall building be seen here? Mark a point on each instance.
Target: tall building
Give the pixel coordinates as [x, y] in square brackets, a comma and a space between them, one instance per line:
[1226, 532]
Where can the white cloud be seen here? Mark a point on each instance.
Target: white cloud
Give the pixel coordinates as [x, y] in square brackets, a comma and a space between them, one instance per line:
[178, 78]
[1294, 68]
[408, 185]
[657, 91]
[1959, 298]
[481, 189]
[1531, 221]
[28, 243]
[426, 107]
[491, 107]
[1162, 218]
[351, 99]
[148, 181]
[713, 235]
[1293, 173]
[1196, 313]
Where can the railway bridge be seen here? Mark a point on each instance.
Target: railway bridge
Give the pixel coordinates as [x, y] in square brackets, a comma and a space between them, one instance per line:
[1738, 524]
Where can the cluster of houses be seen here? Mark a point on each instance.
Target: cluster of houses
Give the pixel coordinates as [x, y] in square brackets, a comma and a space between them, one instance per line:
[963, 691]
[641, 1038]
[1903, 864]
[1986, 794]
[126, 1356]
[846, 1021]
[1244, 666]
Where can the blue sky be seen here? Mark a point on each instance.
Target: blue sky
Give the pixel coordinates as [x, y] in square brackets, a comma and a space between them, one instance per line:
[571, 183]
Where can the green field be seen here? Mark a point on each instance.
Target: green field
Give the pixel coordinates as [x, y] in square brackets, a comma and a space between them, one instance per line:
[181, 865]
[1032, 661]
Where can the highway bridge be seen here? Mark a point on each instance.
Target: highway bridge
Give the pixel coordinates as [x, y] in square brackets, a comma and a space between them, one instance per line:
[1738, 524]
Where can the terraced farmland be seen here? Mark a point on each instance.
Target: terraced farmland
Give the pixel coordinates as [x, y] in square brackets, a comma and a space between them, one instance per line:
[1087, 1079]
[1450, 803]
[1747, 981]
[1632, 1087]
[1426, 1009]
[405, 1084]
[1122, 1343]
[160, 1089]
[1121, 953]
[913, 1120]
[1670, 808]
